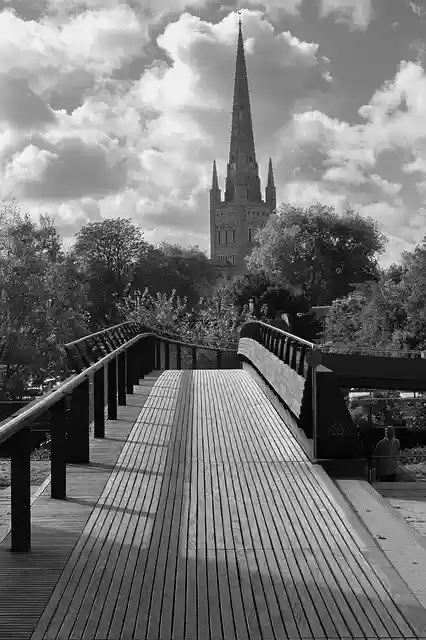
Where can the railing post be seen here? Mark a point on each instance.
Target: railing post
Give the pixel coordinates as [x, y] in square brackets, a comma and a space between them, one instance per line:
[178, 357]
[158, 354]
[122, 378]
[167, 355]
[112, 389]
[99, 402]
[194, 357]
[218, 359]
[129, 371]
[79, 433]
[58, 441]
[20, 491]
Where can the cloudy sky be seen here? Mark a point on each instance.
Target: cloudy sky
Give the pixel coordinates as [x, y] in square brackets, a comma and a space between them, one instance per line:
[111, 108]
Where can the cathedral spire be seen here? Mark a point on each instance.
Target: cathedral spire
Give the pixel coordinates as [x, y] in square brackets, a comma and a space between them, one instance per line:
[242, 165]
[270, 192]
[215, 182]
[215, 191]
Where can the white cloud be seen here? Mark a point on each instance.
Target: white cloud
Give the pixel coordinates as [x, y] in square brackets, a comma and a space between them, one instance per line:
[349, 173]
[390, 188]
[356, 13]
[96, 41]
[274, 9]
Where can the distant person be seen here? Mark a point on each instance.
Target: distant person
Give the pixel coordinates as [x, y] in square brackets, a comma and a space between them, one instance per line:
[387, 456]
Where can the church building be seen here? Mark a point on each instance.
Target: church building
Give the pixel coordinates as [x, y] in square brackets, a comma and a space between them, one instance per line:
[235, 219]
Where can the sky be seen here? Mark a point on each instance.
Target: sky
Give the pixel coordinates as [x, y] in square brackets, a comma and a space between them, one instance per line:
[117, 109]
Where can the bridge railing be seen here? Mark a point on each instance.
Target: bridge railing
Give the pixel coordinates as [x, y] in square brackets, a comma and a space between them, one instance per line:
[102, 368]
[293, 368]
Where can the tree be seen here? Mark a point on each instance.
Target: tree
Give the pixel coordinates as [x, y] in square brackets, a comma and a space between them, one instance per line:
[43, 301]
[108, 253]
[387, 314]
[169, 267]
[318, 251]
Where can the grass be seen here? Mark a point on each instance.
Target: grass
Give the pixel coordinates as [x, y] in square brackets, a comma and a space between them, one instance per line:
[40, 467]
[39, 472]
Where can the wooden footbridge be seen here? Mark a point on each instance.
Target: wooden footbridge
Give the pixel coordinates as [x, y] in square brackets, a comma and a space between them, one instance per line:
[197, 506]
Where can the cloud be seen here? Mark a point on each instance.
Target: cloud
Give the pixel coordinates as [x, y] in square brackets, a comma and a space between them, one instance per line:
[356, 13]
[389, 188]
[21, 107]
[68, 169]
[274, 9]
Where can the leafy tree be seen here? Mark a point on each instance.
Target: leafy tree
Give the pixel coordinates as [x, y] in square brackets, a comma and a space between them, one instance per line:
[169, 267]
[43, 300]
[318, 251]
[108, 252]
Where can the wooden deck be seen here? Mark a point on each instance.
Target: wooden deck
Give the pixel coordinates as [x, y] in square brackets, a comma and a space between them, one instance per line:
[212, 525]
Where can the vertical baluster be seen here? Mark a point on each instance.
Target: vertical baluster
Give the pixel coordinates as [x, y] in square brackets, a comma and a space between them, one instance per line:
[293, 360]
[99, 403]
[167, 355]
[112, 389]
[158, 341]
[129, 371]
[79, 425]
[122, 378]
[301, 363]
[60, 414]
[20, 491]
[287, 350]
[218, 359]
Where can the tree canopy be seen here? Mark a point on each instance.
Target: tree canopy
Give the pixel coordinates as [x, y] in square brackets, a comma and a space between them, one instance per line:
[42, 300]
[318, 251]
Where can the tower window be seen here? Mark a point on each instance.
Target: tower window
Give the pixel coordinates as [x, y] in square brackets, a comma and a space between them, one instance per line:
[218, 237]
[233, 235]
[250, 234]
[250, 158]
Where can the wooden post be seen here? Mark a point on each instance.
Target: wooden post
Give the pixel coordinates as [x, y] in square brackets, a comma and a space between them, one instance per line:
[167, 355]
[122, 378]
[194, 357]
[141, 351]
[158, 354]
[218, 359]
[78, 432]
[99, 402]
[20, 491]
[178, 357]
[112, 389]
[129, 371]
[58, 459]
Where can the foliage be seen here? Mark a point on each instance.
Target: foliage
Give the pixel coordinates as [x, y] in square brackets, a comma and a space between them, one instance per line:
[387, 314]
[214, 322]
[169, 267]
[107, 253]
[317, 251]
[43, 301]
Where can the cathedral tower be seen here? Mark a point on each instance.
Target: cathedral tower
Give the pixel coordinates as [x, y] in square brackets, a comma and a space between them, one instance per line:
[235, 219]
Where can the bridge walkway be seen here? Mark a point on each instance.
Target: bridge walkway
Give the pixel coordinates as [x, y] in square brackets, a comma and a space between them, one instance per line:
[215, 525]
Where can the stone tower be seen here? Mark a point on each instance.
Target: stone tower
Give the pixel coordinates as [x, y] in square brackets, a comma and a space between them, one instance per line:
[235, 219]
